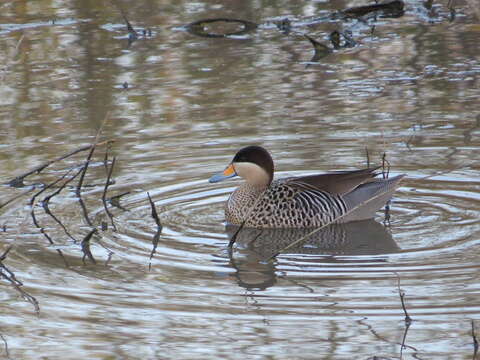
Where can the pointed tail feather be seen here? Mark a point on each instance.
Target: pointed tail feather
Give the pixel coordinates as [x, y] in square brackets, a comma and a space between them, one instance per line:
[379, 191]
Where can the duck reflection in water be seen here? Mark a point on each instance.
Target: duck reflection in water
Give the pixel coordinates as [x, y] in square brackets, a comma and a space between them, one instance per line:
[255, 247]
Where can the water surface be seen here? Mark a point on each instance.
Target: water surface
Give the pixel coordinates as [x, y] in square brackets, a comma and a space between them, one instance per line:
[178, 107]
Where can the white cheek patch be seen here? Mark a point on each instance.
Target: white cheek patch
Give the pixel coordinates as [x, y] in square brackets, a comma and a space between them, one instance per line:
[252, 173]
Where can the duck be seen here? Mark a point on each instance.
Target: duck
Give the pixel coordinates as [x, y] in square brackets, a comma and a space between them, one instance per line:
[309, 201]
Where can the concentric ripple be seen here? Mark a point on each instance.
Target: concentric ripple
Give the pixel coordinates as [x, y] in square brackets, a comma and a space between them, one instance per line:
[429, 245]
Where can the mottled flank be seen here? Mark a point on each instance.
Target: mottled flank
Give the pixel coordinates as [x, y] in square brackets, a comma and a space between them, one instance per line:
[282, 205]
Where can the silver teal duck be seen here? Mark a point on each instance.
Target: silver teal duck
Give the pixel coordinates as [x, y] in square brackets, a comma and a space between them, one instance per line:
[300, 202]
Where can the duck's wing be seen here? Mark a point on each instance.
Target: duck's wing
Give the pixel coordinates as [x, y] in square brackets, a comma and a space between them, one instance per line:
[367, 198]
[338, 182]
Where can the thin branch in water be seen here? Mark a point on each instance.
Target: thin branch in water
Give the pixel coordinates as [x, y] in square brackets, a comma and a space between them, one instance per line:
[90, 153]
[387, 163]
[18, 181]
[115, 200]
[408, 319]
[46, 200]
[105, 189]
[32, 204]
[132, 34]
[368, 157]
[6, 346]
[320, 50]
[37, 225]
[32, 200]
[5, 253]
[233, 239]
[8, 275]
[9, 61]
[86, 247]
[475, 342]
[85, 211]
[156, 237]
[57, 220]
[105, 158]
[16, 197]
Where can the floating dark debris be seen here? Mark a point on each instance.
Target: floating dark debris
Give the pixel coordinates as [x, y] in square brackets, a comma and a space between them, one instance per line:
[284, 26]
[390, 9]
[201, 27]
[335, 39]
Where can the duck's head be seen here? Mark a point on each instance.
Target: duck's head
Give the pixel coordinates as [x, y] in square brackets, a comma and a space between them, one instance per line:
[252, 163]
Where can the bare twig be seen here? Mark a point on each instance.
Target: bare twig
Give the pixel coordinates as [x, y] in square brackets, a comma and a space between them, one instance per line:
[401, 293]
[6, 346]
[15, 197]
[408, 319]
[475, 342]
[5, 253]
[86, 247]
[107, 183]
[132, 34]
[233, 239]
[115, 200]
[387, 163]
[320, 50]
[32, 200]
[368, 157]
[18, 181]
[46, 200]
[154, 211]
[9, 61]
[8, 275]
[89, 156]
[156, 237]
[32, 204]
[84, 211]
[37, 225]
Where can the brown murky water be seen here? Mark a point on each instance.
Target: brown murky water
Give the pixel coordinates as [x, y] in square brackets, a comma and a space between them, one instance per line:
[178, 107]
